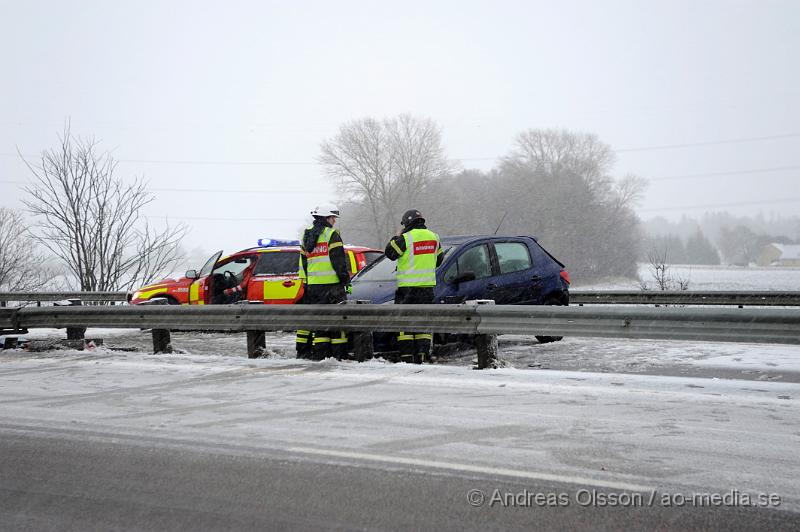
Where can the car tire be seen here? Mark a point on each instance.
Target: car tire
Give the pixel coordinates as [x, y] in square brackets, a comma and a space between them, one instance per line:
[550, 339]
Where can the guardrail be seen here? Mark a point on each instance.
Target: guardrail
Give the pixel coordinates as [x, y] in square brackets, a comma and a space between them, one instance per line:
[577, 297]
[40, 297]
[775, 326]
[687, 297]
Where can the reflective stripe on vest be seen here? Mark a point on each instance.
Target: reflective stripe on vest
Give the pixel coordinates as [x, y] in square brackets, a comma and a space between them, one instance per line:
[320, 270]
[417, 266]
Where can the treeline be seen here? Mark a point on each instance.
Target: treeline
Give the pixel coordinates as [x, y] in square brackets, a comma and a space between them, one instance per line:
[718, 238]
[553, 184]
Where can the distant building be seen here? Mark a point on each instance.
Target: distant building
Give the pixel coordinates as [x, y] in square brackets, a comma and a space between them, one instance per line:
[779, 255]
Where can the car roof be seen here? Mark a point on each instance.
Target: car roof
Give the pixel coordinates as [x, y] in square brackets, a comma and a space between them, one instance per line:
[466, 239]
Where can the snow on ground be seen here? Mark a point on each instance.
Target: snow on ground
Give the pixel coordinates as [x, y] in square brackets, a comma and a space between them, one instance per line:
[679, 358]
[680, 434]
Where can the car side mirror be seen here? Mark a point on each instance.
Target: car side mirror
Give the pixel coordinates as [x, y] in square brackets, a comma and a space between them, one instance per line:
[464, 277]
[192, 274]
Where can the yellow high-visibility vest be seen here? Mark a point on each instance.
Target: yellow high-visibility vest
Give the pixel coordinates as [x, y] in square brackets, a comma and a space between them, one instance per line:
[320, 269]
[417, 266]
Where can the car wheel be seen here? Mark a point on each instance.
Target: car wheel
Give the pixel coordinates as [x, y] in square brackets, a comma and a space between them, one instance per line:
[549, 339]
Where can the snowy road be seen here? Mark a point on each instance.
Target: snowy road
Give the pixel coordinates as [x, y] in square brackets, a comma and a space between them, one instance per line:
[613, 432]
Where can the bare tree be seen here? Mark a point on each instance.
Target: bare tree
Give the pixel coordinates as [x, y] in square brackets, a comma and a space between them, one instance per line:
[556, 184]
[385, 165]
[660, 274]
[22, 266]
[93, 221]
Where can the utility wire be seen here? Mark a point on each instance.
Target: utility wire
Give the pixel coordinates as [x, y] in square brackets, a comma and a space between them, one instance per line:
[290, 192]
[215, 219]
[708, 143]
[720, 205]
[730, 172]
[301, 218]
[314, 163]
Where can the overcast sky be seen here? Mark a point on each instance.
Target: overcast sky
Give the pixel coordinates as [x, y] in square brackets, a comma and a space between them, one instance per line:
[209, 100]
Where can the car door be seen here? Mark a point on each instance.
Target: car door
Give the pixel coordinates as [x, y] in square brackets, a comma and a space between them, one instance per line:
[229, 272]
[198, 291]
[515, 282]
[275, 278]
[467, 275]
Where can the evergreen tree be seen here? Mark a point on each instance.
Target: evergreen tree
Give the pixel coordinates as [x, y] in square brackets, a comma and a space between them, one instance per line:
[700, 250]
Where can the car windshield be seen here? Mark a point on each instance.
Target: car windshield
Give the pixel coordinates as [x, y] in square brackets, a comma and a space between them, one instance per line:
[381, 270]
[278, 263]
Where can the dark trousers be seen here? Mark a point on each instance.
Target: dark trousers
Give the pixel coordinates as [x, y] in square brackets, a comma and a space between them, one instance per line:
[414, 346]
[318, 345]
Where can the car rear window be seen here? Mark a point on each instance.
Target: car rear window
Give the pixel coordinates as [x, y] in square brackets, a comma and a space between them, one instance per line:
[278, 263]
[512, 256]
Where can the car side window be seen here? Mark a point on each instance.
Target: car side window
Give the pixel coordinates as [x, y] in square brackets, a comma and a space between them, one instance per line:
[475, 260]
[512, 256]
[451, 273]
[277, 263]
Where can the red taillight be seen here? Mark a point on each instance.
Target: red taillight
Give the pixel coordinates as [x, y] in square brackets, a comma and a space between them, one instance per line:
[565, 276]
[287, 284]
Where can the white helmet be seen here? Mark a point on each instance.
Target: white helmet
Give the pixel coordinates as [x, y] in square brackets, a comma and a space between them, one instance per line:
[325, 210]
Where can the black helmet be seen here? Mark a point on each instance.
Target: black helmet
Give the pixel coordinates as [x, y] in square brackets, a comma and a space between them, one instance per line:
[410, 216]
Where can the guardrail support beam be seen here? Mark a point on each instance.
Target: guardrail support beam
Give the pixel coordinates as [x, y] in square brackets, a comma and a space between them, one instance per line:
[73, 333]
[362, 346]
[486, 345]
[256, 344]
[161, 341]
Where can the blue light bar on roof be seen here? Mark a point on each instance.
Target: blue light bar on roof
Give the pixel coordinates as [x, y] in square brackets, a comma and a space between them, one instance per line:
[274, 242]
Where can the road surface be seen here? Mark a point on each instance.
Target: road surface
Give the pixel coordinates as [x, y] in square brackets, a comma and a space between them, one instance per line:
[100, 440]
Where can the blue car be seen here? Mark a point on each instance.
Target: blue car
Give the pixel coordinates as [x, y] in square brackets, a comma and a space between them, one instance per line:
[511, 270]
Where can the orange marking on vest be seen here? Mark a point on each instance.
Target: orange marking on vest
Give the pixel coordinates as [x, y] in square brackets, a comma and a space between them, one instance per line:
[319, 250]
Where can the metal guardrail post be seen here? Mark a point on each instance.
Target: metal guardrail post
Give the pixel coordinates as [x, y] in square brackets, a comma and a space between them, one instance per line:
[256, 344]
[161, 337]
[256, 340]
[486, 344]
[161, 341]
[74, 333]
[363, 348]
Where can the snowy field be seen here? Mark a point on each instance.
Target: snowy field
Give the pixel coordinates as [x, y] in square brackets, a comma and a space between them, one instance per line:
[711, 278]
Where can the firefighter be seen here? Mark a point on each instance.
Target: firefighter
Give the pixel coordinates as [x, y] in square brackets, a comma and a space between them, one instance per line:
[418, 253]
[323, 264]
